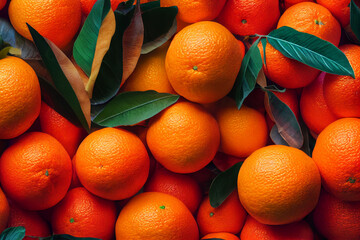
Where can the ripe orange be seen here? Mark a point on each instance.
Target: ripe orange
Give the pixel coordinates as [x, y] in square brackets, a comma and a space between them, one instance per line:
[195, 11]
[181, 186]
[224, 161]
[155, 216]
[314, 110]
[220, 235]
[337, 155]
[336, 219]
[82, 214]
[203, 61]
[339, 8]
[184, 138]
[35, 171]
[342, 92]
[112, 163]
[58, 21]
[4, 211]
[241, 131]
[20, 97]
[87, 5]
[288, 3]
[52, 123]
[279, 185]
[248, 17]
[253, 230]
[228, 217]
[289, 97]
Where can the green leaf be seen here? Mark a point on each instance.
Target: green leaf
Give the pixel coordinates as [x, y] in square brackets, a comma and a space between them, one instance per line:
[150, 5]
[310, 50]
[129, 108]
[223, 185]
[159, 25]
[355, 19]
[276, 137]
[249, 71]
[13, 233]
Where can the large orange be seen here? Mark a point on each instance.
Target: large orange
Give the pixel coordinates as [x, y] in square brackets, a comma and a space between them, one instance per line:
[337, 155]
[342, 92]
[35, 171]
[81, 214]
[156, 216]
[220, 235]
[4, 211]
[339, 8]
[203, 61]
[195, 11]
[279, 185]
[112, 163]
[20, 97]
[249, 17]
[184, 138]
[58, 21]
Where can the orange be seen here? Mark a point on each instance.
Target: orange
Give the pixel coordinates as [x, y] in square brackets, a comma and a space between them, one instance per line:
[337, 155]
[34, 224]
[20, 97]
[4, 211]
[150, 73]
[82, 214]
[314, 110]
[224, 161]
[194, 11]
[241, 131]
[181, 186]
[288, 3]
[253, 230]
[248, 17]
[279, 185]
[341, 92]
[156, 216]
[221, 235]
[35, 158]
[289, 97]
[203, 61]
[52, 123]
[228, 217]
[336, 219]
[87, 5]
[55, 20]
[112, 163]
[339, 8]
[183, 138]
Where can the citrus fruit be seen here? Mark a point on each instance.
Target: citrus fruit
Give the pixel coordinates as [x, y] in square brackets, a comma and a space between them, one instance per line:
[4, 211]
[203, 61]
[221, 235]
[20, 97]
[289, 3]
[156, 216]
[339, 9]
[279, 185]
[87, 5]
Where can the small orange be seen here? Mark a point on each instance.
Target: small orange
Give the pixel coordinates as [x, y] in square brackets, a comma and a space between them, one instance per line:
[112, 163]
[339, 8]
[337, 155]
[156, 216]
[4, 211]
[220, 235]
[55, 20]
[288, 3]
[279, 185]
[195, 11]
[248, 17]
[82, 214]
[183, 138]
[203, 61]
[228, 217]
[20, 97]
[35, 158]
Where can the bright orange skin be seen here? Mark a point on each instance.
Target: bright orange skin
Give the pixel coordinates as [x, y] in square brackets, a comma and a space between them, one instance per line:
[20, 97]
[221, 235]
[279, 185]
[224, 161]
[55, 20]
[195, 11]
[156, 216]
[34, 224]
[203, 61]
[183, 138]
[181, 186]
[35, 158]
[337, 155]
[112, 163]
[241, 131]
[81, 214]
[339, 8]
[248, 17]
[228, 217]
[52, 123]
[341, 92]
[289, 97]
[4, 211]
[253, 230]
[336, 219]
[289, 3]
[314, 110]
